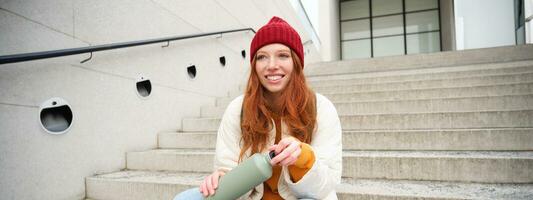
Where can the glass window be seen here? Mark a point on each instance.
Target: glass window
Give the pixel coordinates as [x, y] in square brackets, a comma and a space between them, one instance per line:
[388, 46]
[356, 49]
[423, 43]
[391, 25]
[354, 9]
[355, 29]
[422, 21]
[385, 7]
[391, 34]
[414, 5]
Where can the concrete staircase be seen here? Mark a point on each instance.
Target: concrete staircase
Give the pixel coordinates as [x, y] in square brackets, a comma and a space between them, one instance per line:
[449, 125]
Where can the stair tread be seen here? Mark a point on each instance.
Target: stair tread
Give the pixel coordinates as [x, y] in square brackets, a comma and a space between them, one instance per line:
[430, 73]
[380, 130]
[427, 89]
[469, 78]
[413, 113]
[337, 102]
[434, 99]
[382, 153]
[435, 189]
[160, 177]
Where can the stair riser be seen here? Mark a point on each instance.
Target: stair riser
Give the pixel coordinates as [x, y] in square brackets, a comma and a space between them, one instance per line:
[172, 162]
[201, 125]
[235, 93]
[402, 76]
[498, 90]
[439, 121]
[488, 170]
[475, 140]
[496, 119]
[110, 190]
[99, 189]
[187, 140]
[472, 140]
[440, 169]
[468, 104]
[212, 111]
[421, 61]
[523, 102]
[465, 82]
[435, 93]
[348, 196]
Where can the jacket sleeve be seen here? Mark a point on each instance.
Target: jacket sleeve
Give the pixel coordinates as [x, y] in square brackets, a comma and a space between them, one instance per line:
[326, 172]
[228, 136]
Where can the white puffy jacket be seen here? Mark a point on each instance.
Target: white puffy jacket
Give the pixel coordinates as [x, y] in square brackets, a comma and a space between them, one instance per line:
[319, 182]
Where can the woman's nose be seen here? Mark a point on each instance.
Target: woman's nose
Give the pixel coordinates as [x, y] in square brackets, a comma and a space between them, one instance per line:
[272, 63]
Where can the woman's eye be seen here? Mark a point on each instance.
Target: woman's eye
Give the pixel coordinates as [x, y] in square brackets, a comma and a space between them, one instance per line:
[261, 57]
[284, 55]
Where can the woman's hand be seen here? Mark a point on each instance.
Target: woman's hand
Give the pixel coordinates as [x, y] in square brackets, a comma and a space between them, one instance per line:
[287, 151]
[210, 183]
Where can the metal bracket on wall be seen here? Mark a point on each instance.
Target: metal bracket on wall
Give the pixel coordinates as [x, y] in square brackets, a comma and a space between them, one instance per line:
[90, 57]
[167, 45]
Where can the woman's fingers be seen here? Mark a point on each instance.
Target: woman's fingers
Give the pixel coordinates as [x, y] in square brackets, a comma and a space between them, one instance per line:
[203, 187]
[287, 152]
[210, 189]
[292, 158]
[215, 180]
[281, 146]
[210, 183]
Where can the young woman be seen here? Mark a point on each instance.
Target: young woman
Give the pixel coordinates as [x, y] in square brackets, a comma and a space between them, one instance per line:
[279, 112]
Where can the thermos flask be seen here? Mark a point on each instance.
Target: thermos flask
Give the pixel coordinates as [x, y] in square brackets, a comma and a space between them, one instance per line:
[241, 179]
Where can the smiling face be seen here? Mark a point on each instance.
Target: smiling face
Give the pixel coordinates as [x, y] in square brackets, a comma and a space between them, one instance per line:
[274, 65]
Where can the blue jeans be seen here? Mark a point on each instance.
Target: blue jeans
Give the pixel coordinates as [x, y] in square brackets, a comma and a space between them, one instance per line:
[192, 194]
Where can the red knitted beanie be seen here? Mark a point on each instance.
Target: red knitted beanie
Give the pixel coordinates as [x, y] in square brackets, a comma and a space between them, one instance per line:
[277, 31]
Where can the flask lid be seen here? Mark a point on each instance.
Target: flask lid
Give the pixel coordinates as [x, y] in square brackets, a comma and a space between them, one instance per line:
[272, 154]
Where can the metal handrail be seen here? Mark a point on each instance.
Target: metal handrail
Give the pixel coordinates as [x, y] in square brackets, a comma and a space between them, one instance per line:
[14, 58]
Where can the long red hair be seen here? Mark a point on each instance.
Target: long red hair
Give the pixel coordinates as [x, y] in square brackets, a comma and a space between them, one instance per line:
[297, 103]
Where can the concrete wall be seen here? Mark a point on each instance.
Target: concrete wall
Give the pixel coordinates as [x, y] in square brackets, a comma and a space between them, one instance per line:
[109, 117]
[528, 6]
[447, 25]
[328, 13]
[484, 23]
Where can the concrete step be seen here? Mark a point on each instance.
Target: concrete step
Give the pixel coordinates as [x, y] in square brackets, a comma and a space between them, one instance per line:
[212, 111]
[431, 93]
[188, 140]
[163, 185]
[235, 93]
[430, 84]
[462, 166]
[508, 102]
[511, 139]
[490, 69]
[441, 120]
[401, 121]
[463, 104]
[452, 92]
[465, 166]
[376, 189]
[183, 160]
[141, 185]
[200, 124]
[420, 61]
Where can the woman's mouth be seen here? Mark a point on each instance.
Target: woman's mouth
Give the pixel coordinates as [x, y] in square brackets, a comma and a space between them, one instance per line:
[274, 78]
